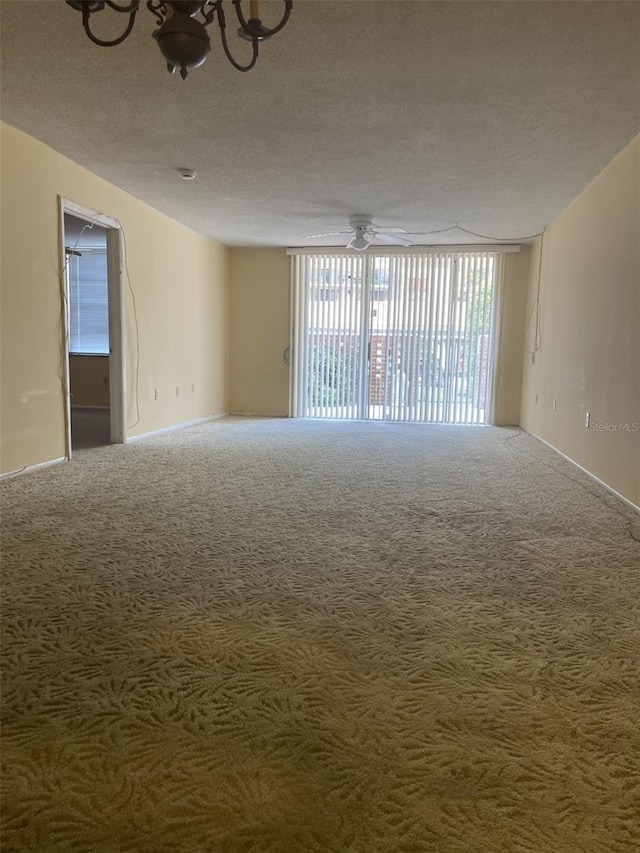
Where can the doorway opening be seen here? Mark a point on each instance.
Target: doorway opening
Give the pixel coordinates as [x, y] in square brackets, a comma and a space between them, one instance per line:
[94, 350]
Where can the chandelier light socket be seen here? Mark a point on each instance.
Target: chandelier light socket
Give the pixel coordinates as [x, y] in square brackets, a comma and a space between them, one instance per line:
[255, 29]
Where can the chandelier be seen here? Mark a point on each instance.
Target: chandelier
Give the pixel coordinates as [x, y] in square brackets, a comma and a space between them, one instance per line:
[181, 35]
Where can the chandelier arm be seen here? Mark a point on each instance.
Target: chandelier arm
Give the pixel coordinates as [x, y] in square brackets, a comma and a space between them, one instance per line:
[209, 16]
[265, 32]
[157, 8]
[227, 52]
[132, 7]
[101, 42]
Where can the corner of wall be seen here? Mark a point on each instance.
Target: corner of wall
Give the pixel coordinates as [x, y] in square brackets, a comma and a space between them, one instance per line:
[259, 331]
[513, 293]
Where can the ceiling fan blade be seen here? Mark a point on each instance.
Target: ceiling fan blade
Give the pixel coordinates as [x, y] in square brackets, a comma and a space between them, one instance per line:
[327, 234]
[392, 238]
[397, 228]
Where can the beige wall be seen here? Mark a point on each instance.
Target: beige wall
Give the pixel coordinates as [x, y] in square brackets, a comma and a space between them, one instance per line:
[512, 314]
[589, 358]
[258, 331]
[180, 284]
[89, 380]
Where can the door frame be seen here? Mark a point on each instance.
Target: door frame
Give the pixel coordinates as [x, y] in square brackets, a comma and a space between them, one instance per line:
[298, 296]
[115, 291]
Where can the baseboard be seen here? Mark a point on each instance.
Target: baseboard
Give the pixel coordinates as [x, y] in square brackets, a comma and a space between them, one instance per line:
[28, 468]
[256, 415]
[174, 427]
[591, 476]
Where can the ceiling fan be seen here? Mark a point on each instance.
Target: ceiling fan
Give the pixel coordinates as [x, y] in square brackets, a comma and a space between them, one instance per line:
[363, 233]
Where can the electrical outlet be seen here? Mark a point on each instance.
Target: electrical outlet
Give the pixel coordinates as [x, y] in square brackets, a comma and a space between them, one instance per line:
[587, 419]
[177, 390]
[536, 399]
[156, 393]
[555, 405]
[193, 387]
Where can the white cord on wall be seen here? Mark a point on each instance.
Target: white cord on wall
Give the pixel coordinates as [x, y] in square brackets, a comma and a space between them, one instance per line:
[536, 307]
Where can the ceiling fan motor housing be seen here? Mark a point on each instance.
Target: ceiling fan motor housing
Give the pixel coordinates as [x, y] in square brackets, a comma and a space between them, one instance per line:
[361, 222]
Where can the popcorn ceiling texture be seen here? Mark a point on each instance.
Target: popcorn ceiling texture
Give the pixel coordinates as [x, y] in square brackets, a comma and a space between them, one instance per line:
[493, 115]
[297, 636]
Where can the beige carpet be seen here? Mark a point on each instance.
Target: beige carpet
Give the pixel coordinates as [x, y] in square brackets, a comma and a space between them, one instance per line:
[290, 637]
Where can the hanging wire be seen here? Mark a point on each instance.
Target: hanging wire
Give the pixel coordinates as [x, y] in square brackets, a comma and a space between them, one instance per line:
[458, 227]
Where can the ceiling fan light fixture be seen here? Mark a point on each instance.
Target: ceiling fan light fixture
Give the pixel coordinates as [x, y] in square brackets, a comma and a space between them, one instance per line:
[359, 243]
[364, 233]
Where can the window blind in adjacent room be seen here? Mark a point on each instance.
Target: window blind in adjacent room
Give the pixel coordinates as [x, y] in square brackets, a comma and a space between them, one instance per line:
[88, 302]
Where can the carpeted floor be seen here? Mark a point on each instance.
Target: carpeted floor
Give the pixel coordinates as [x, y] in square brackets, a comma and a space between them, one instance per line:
[298, 637]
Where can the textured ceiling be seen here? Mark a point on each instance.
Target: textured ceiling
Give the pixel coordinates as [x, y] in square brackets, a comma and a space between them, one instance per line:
[494, 115]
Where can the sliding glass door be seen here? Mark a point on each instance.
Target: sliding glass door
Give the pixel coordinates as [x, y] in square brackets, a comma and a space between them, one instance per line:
[329, 348]
[402, 336]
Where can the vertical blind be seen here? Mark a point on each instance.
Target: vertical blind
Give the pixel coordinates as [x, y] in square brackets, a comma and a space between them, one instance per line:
[88, 302]
[330, 337]
[397, 336]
